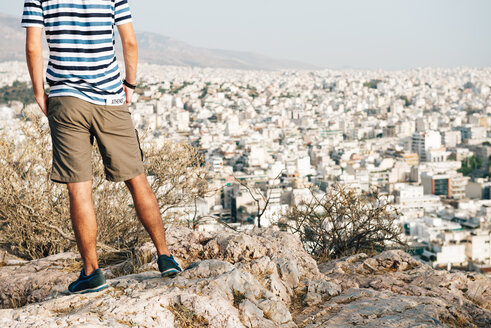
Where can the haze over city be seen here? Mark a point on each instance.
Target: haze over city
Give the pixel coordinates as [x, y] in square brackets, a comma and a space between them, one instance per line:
[381, 34]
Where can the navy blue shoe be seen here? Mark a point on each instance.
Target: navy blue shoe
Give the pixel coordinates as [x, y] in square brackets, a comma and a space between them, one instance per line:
[94, 282]
[168, 267]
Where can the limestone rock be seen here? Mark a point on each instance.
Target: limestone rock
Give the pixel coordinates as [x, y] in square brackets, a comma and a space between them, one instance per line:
[319, 290]
[24, 282]
[262, 278]
[399, 291]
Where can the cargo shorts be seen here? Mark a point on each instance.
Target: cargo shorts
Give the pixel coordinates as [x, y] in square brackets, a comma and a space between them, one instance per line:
[75, 123]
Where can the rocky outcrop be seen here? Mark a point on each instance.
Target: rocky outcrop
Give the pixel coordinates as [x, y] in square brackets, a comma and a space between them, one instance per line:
[394, 290]
[24, 282]
[261, 278]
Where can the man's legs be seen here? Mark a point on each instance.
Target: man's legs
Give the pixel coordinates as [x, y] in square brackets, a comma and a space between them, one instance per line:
[84, 223]
[148, 211]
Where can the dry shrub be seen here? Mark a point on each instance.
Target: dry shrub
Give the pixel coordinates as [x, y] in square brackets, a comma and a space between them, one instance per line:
[343, 222]
[178, 177]
[34, 212]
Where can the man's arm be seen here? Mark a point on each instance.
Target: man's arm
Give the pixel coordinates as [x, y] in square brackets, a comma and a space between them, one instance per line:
[130, 53]
[34, 57]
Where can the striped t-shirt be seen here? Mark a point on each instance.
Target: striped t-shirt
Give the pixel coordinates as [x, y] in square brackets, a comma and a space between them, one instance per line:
[80, 34]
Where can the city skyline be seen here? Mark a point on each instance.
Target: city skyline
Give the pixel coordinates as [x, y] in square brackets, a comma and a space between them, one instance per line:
[384, 34]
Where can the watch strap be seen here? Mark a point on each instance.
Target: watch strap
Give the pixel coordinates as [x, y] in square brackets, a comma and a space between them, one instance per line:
[129, 85]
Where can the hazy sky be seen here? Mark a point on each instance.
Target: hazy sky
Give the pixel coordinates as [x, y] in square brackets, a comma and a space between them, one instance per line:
[387, 34]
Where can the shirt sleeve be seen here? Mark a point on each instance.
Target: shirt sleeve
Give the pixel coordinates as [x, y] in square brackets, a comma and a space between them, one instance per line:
[33, 14]
[122, 14]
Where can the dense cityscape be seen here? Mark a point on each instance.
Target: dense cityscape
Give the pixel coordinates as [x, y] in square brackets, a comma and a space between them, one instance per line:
[422, 137]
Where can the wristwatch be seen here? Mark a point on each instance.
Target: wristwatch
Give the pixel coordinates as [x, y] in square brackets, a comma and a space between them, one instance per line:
[129, 85]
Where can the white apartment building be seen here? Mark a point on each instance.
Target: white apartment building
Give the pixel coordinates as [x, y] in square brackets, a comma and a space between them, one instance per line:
[429, 229]
[450, 255]
[422, 142]
[451, 185]
[303, 166]
[448, 248]
[458, 184]
[479, 247]
[435, 184]
[410, 197]
[437, 155]
[216, 163]
[257, 156]
[451, 138]
[473, 134]
[182, 119]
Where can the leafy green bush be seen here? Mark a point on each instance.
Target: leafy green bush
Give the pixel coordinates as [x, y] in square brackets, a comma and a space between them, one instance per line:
[469, 165]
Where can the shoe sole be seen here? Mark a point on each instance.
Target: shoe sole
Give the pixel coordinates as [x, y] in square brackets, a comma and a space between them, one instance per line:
[93, 290]
[171, 273]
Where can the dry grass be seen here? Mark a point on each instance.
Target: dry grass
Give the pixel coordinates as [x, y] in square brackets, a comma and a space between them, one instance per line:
[186, 318]
[2, 258]
[64, 311]
[72, 266]
[238, 297]
[458, 322]
[128, 323]
[34, 212]
[297, 301]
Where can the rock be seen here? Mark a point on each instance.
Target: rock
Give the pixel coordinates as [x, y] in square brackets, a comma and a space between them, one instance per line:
[478, 290]
[8, 259]
[417, 294]
[207, 268]
[276, 311]
[252, 316]
[24, 282]
[288, 272]
[319, 290]
[369, 308]
[261, 278]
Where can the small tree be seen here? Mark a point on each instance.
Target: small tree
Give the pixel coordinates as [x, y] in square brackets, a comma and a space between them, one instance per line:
[260, 196]
[343, 222]
[470, 165]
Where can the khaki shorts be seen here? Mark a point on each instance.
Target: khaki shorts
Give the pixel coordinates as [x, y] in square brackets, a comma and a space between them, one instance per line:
[74, 124]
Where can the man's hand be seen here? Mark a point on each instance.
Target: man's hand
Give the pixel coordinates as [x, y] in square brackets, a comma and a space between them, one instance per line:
[129, 94]
[42, 101]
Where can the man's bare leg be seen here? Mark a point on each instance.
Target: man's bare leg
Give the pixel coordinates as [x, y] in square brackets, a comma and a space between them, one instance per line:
[84, 223]
[148, 211]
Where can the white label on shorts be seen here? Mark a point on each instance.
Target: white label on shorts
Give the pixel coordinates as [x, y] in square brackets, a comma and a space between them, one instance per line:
[115, 100]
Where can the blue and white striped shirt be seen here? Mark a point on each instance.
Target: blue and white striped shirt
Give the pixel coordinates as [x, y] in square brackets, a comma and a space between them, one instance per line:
[80, 35]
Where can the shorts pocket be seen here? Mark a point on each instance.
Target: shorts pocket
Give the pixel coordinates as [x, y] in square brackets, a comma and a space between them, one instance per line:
[139, 144]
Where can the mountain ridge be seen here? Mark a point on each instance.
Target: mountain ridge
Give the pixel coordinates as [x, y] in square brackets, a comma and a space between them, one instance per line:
[155, 48]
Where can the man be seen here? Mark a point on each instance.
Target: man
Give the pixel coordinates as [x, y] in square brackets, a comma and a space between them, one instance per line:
[88, 99]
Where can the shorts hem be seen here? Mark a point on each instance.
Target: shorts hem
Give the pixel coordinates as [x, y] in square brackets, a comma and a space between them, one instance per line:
[65, 180]
[120, 178]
